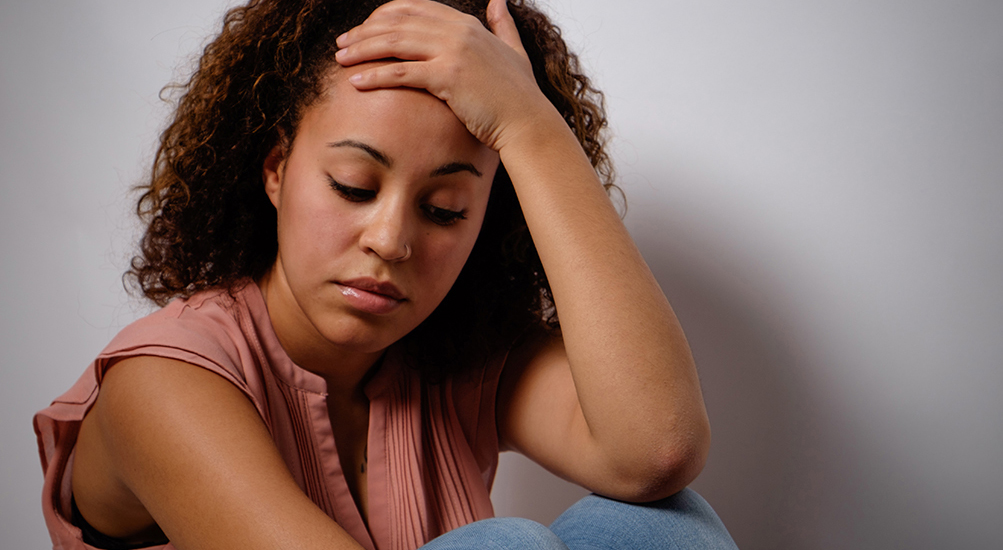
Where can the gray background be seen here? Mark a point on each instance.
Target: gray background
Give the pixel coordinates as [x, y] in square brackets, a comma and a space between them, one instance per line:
[817, 186]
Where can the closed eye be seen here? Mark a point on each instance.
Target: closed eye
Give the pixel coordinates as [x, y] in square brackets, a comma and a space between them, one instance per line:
[351, 194]
[442, 216]
[439, 216]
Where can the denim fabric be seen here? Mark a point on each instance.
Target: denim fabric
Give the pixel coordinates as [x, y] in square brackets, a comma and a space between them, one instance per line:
[682, 521]
[498, 534]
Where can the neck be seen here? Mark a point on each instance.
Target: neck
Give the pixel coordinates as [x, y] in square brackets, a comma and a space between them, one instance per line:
[345, 370]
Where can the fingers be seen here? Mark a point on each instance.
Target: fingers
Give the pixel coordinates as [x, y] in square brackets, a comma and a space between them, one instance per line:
[406, 29]
[398, 15]
[503, 26]
[450, 54]
[381, 40]
[397, 75]
[406, 32]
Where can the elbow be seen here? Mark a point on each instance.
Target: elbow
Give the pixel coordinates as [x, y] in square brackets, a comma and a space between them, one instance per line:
[668, 468]
[677, 469]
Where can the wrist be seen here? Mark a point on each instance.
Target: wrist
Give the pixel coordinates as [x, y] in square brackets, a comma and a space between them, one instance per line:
[538, 125]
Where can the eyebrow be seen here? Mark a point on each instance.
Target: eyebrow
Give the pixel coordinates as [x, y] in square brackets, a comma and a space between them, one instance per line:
[454, 167]
[371, 151]
[380, 157]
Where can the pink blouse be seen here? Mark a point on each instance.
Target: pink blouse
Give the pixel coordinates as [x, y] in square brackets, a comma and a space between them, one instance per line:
[433, 449]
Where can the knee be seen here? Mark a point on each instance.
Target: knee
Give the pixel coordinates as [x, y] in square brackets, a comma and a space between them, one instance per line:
[498, 534]
[683, 520]
[520, 533]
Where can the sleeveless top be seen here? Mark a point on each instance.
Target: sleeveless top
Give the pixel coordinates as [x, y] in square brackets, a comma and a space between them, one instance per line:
[433, 449]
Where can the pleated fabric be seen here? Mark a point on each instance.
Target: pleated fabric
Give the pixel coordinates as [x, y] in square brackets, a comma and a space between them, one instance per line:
[433, 449]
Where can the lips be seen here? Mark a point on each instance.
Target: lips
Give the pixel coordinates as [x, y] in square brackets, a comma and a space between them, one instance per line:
[371, 296]
[372, 285]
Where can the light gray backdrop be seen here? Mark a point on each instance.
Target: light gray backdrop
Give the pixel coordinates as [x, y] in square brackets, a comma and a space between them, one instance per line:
[817, 185]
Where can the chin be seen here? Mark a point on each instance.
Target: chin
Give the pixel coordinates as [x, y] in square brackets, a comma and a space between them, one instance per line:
[362, 335]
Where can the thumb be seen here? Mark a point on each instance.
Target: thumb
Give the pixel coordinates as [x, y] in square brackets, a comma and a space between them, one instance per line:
[503, 26]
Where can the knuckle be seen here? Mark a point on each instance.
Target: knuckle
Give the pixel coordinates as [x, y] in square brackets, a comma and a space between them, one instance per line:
[472, 21]
[399, 70]
[386, 8]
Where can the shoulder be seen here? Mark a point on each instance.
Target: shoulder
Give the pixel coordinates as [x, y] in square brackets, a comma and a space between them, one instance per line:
[206, 316]
[150, 410]
[170, 444]
[188, 365]
[145, 399]
[214, 329]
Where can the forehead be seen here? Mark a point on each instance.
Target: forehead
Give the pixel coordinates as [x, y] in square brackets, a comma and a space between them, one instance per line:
[401, 121]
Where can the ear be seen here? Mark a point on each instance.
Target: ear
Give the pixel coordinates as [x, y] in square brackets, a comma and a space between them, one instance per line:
[273, 170]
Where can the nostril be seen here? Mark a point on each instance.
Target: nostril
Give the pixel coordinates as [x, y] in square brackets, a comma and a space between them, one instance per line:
[389, 250]
[404, 257]
[385, 232]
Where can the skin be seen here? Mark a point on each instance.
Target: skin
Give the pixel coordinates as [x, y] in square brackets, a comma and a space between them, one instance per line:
[614, 406]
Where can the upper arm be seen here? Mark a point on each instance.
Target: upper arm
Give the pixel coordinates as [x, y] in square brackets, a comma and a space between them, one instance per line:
[191, 449]
[539, 414]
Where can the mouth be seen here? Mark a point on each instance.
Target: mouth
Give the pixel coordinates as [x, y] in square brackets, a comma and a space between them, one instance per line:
[371, 296]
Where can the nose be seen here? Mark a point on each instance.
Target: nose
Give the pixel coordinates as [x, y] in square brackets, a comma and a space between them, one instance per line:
[386, 231]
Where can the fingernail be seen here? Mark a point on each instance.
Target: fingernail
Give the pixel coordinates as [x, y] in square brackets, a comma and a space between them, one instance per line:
[355, 78]
[341, 38]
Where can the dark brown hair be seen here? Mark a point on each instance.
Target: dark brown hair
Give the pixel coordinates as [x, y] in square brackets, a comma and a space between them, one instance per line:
[209, 223]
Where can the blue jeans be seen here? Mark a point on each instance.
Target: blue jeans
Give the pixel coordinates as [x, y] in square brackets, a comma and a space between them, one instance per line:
[682, 521]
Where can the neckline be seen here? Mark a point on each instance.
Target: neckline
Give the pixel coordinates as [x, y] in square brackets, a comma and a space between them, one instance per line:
[349, 517]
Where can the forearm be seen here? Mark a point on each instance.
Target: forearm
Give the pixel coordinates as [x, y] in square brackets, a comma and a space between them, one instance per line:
[632, 368]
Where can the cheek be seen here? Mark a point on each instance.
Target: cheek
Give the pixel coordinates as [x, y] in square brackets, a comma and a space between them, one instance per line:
[312, 228]
[443, 259]
[453, 254]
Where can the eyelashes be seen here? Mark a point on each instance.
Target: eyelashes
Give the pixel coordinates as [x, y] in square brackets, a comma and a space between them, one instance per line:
[443, 216]
[351, 194]
[436, 214]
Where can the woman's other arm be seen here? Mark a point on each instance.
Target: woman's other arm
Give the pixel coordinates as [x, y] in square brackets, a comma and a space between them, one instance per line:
[174, 443]
[622, 386]
[621, 398]
[616, 406]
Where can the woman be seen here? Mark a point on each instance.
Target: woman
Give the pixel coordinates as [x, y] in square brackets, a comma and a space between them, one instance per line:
[344, 203]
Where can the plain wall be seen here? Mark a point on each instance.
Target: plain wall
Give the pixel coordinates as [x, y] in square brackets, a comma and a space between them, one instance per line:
[818, 187]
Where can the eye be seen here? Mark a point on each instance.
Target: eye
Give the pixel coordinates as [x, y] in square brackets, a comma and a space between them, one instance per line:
[351, 194]
[442, 216]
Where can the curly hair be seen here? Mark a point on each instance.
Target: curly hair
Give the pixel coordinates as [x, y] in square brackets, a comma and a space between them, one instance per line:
[209, 223]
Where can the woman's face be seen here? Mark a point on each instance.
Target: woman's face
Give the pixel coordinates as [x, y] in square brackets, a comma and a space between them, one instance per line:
[380, 200]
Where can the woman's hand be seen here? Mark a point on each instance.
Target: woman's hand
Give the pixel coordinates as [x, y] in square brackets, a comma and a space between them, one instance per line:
[485, 77]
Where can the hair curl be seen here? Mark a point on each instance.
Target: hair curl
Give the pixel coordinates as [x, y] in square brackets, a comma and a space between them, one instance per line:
[209, 223]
